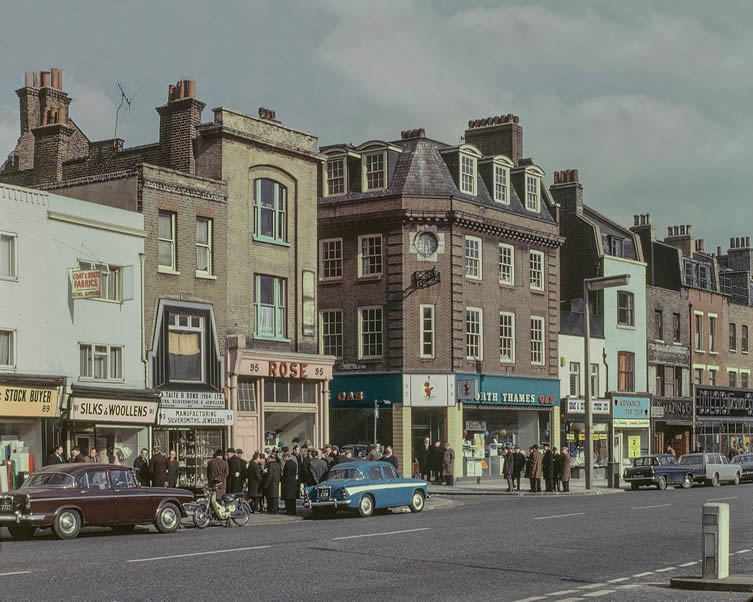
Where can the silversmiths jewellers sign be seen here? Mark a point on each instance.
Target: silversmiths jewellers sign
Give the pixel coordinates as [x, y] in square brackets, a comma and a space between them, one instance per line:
[192, 399]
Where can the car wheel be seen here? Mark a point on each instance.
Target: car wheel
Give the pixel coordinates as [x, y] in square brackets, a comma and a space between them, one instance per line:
[661, 485]
[201, 517]
[22, 532]
[366, 506]
[736, 481]
[168, 519]
[67, 524]
[417, 502]
[634, 486]
[688, 482]
[123, 528]
[715, 480]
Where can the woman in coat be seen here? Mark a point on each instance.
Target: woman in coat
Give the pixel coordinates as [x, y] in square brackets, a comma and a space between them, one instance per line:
[448, 464]
[254, 476]
[565, 469]
[289, 482]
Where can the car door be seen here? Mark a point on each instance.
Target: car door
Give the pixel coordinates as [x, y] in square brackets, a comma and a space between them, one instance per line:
[392, 493]
[132, 502]
[97, 497]
[377, 489]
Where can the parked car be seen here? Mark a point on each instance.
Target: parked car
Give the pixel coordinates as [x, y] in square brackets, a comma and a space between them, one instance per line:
[66, 497]
[660, 470]
[365, 486]
[746, 466]
[712, 469]
[359, 450]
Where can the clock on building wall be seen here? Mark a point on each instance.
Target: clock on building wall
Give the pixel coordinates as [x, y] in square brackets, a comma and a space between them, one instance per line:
[426, 243]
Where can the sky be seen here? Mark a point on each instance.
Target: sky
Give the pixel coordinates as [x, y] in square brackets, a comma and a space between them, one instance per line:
[651, 101]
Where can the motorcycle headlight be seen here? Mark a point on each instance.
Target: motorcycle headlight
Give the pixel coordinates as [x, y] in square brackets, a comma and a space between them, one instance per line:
[27, 505]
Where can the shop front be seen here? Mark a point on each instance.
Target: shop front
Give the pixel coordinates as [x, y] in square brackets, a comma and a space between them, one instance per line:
[631, 427]
[29, 429]
[193, 424]
[500, 411]
[279, 399]
[724, 419]
[116, 422]
[673, 425]
[574, 430]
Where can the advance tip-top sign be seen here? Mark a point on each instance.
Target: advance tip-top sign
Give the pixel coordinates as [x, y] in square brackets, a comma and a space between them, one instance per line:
[631, 408]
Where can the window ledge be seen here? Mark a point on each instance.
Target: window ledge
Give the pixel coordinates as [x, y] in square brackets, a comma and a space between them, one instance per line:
[271, 241]
[371, 358]
[165, 270]
[205, 276]
[625, 327]
[115, 301]
[659, 341]
[369, 278]
[537, 291]
[330, 280]
[7, 368]
[87, 379]
[744, 352]
[474, 278]
[426, 358]
[257, 337]
[713, 353]
[507, 284]
[733, 350]
[9, 278]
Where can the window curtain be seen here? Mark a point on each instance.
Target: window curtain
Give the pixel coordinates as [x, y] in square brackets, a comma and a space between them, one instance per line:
[185, 356]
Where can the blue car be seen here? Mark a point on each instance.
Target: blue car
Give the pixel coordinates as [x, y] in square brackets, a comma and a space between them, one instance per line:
[365, 486]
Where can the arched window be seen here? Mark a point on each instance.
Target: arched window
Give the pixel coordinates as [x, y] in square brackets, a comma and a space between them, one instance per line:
[270, 211]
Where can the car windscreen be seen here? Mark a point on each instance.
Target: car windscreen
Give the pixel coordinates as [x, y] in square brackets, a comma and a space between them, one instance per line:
[342, 474]
[48, 479]
[691, 460]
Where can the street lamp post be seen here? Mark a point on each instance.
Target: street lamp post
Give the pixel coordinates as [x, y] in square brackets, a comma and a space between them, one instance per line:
[592, 284]
[376, 415]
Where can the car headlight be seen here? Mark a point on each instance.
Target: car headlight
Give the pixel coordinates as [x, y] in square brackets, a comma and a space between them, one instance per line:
[27, 505]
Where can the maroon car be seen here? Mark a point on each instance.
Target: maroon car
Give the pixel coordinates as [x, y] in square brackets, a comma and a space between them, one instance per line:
[67, 497]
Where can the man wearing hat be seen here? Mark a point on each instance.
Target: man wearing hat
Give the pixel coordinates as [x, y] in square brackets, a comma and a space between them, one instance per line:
[217, 471]
[236, 471]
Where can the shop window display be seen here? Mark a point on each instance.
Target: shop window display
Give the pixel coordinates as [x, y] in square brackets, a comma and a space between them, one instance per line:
[194, 449]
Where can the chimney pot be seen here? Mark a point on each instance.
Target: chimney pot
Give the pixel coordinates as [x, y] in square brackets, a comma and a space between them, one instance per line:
[635, 220]
[180, 90]
[731, 243]
[191, 88]
[669, 230]
[45, 79]
[37, 79]
[747, 242]
[60, 79]
[170, 93]
[53, 77]
[718, 250]
[687, 229]
[28, 79]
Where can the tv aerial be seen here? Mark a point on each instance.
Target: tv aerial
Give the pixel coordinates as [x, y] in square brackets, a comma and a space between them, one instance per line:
[125, 105]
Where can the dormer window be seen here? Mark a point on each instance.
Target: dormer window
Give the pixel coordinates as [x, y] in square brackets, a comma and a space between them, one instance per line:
[467, 174]
[501, 184]
[533, 193]
[336, 176]
[375, 176]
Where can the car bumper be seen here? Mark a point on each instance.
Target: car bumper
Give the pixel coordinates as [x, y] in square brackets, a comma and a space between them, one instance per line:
[329, 504]
[22, 519]
[641, 480]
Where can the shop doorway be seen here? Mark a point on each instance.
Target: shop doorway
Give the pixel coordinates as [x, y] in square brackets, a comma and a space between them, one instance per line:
[84, 443]
[427, 422]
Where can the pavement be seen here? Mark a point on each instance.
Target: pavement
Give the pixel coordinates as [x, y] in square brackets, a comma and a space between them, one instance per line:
[510, 548]
[499, 487]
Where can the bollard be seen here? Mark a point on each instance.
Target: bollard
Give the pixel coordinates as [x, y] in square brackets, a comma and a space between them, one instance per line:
[715, 542]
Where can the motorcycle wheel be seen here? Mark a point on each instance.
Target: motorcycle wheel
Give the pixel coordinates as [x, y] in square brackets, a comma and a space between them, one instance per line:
[240, 518]
[201, 517]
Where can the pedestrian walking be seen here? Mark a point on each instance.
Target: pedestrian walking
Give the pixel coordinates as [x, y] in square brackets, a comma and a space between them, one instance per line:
[141, 464]
[448, 464]
[289, 482]
[235, 472]
[172, 469]
[217, 473]
[271, 483]
[423, 455]
[547, 466]
[537, 468]
[519, 464]
[158, 468]
[565, 470]
[437, 454]
[254, 486]
[557, 469]
[387, 456]
[508, 467]
[56, 457]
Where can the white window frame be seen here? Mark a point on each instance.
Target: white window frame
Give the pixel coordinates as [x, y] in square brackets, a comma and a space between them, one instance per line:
[713, 337]
[324, 331]
[324, 259]
[502, 278]
[208, 245]
[427, 336]
[538, 346]
[280, 211]
[365, 170]
[108, 355]
[280, 308]
[503, 185]
[574, 371]
[109, 275]
[746, 374]
[328, 179]
[480, 264]
[13, 236]
[736, 372]
[361, 333]
[174, 325]
[629, 308]
[698, 332]
[594, 376]
[469, 186]
[361, 257]
[506, 336]
[532, 271]
[715, 371]
[172, 241]
[533, 193]
[479, 335]
[13, 344]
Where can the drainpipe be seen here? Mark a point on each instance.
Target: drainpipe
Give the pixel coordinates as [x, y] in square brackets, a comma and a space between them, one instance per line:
[142, 259]
[691, 377]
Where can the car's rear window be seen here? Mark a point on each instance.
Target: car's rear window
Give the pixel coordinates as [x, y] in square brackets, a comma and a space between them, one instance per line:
[691, 460]
[342, 474]
[48, 479]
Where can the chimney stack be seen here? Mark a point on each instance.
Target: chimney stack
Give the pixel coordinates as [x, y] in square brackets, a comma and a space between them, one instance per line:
[267, 115]
[643, 226]
[501, 135]
[567, 192]
[417, 133]
[177, 127]
[718, 251]
[681, 237]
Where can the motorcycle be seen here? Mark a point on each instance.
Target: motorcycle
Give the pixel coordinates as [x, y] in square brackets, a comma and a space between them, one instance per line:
[232, 508]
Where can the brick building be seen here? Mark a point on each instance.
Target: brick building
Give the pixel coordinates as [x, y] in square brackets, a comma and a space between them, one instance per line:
[439, 292]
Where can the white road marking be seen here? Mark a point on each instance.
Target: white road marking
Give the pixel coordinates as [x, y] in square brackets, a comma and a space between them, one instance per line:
[628, 586]
[532, 599]
[559, 515]
[570, 599]
[199, 553]
[562, 592]
[15, 573]
[647, 507]
[719, 499]
[388, 533]
[688, 564]
[592, 586]
[667, 569]
[742, 551]
[620, 580]
[644, 574]
[598, 594]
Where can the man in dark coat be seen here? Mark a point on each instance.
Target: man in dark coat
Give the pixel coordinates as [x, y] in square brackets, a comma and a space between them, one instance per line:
[299, 460]
[217, 473]
[565, 469]
[158, 468]
[272, 475]
[423, 457]
[518, 466]
[235, 468]
[141, 464]
[548, 468]
[435, 461]
[317, 467]
[76, 455]
[55, 457]
[388, 456]
[254, 476]
[508, 467]
[537, 464]
[172, 469]
[289, 482]
[557, 468]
